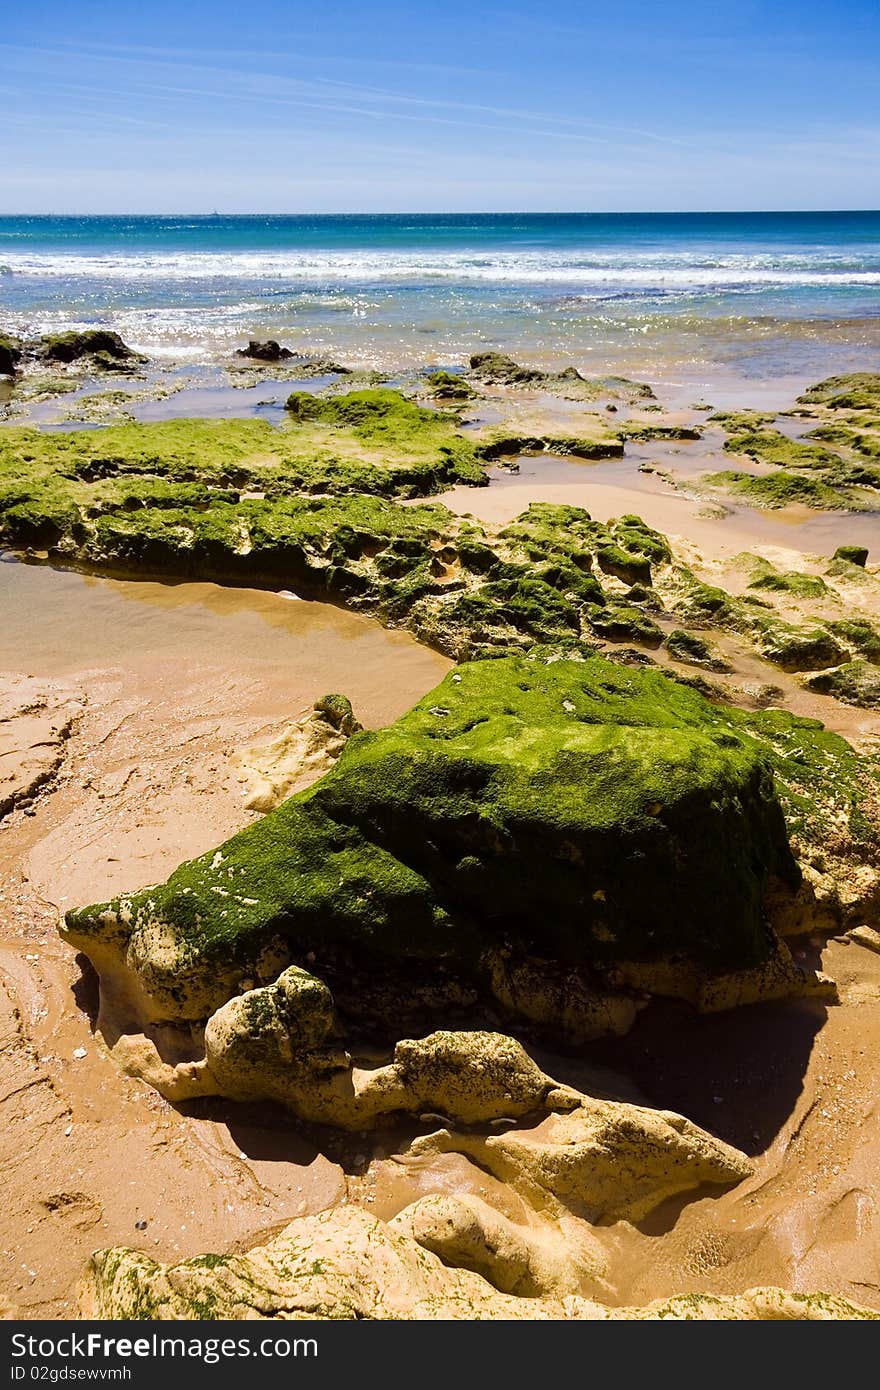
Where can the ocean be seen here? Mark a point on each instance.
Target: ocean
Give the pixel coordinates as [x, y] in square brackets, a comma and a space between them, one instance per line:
[679, 295]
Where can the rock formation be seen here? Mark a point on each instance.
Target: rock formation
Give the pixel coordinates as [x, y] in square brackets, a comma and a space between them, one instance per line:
[346, 1264]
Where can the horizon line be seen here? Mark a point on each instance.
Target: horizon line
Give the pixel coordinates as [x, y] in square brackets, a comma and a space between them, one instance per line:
[478, 212]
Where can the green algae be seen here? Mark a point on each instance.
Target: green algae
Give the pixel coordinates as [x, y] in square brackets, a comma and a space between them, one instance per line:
[855, 683]
[450, 386]
[370, 442]
[385, 428]
[849, 437]
[519, 803]
[740, 422]
[693, 650]
[769, 446]
[853, 554]
[854, 391]
[782, 489]
[860, 634]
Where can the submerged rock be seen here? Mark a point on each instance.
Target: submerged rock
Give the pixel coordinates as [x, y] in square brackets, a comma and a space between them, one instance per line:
[344, 1263]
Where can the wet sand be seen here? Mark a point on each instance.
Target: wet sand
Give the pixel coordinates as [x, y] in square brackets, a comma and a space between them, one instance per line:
[164, 684]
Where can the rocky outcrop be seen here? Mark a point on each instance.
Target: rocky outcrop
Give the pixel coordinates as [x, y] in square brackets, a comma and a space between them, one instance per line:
[268, 351]
[505, 810]
[854, 554]
[602, 1160]
[346, 1264]
[855, 683]
[92, 342]
[490, 854]
[496, 368]
[693, 650]
[450, 386]
[296, 365]
[306, 749]
[525, 1260]
[10, 355]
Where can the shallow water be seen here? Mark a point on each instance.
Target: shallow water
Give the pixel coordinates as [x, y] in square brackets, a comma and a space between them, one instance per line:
[615, 487]
[671, 297]
[54, 622]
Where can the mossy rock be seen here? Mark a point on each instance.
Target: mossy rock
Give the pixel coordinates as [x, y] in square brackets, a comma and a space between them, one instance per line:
[624, 564]
[796, 648]
[769, 446]
[705, 605]
[640, 433]
[619, 622]
[450, 386]
[501, 444]
[782, 489]
[266, 350]
[386, 429]
[853, 554]
[741, 422]
[10, 355]
[349, 444]
[70, 347]
[791, 582]
[860, 634]
[853, 391]
[851, 438]
[498, 369]
[855, 683]
[519, 807]
[693, 650]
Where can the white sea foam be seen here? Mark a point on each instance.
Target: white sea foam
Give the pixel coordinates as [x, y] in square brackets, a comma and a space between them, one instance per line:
[596, 271]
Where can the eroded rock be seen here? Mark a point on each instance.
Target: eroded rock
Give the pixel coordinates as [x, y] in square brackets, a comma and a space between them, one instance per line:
[346, 1264]
[297, 756]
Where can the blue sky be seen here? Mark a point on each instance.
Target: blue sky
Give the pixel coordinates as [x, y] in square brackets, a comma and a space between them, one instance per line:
[284, 106]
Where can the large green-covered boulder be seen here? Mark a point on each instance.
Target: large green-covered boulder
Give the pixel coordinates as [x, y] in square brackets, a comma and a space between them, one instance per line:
[578, 812]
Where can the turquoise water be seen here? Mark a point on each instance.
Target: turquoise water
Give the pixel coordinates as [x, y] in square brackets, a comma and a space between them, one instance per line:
[755, 294]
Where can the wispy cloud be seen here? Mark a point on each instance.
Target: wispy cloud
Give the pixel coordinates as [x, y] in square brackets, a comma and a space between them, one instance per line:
[175, 74]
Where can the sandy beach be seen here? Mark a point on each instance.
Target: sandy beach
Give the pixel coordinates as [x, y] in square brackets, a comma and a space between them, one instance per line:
[141, 715]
